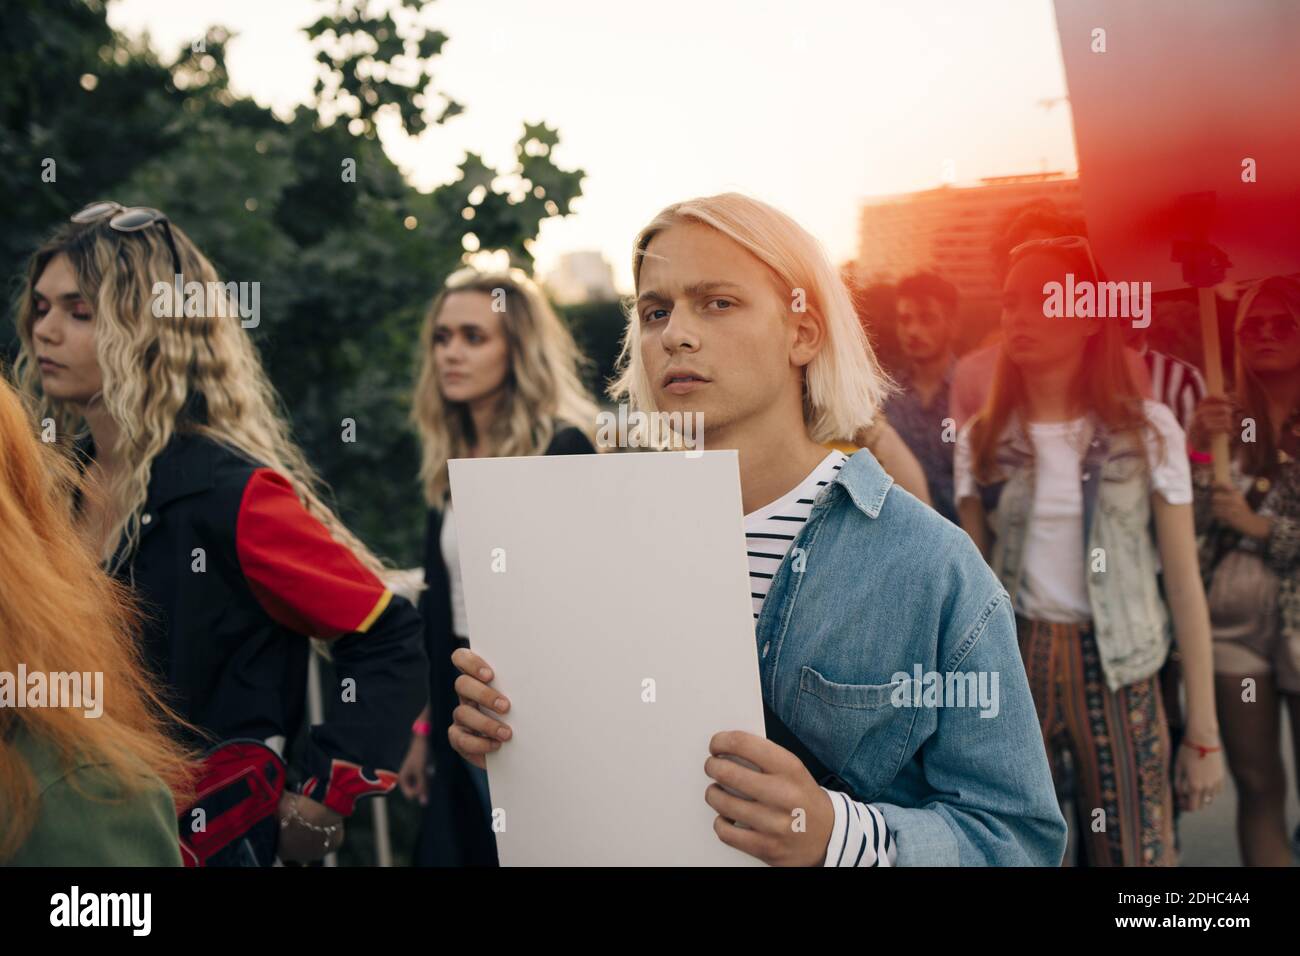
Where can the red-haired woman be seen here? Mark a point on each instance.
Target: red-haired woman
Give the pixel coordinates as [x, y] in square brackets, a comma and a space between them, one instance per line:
[82, 782]
[1058, 479]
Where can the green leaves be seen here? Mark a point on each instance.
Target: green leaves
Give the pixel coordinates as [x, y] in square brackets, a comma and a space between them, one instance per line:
[374, 63]
[344, 279]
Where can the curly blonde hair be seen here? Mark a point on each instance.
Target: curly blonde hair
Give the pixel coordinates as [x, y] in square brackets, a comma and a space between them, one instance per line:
[163, 375]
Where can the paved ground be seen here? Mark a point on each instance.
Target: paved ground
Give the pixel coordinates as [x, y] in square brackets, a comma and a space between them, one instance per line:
[1209, 837]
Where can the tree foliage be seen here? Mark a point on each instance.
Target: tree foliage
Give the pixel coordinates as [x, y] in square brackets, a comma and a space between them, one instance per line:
[346, 265]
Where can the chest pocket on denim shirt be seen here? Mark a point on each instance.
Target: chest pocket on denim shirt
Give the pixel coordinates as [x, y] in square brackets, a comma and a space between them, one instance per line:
[833, 719]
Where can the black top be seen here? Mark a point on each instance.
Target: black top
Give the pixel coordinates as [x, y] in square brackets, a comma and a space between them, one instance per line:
[234, 574]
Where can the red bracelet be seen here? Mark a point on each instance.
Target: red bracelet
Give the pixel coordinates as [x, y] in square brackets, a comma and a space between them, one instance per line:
[1200, 749]
[422, 728]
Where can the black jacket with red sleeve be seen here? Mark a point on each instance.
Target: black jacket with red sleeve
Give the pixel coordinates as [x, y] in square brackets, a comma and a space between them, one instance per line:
[235, 575]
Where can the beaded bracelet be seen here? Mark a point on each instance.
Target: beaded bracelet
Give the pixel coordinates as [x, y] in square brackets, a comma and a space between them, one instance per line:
[328, 831]
[1202, 750]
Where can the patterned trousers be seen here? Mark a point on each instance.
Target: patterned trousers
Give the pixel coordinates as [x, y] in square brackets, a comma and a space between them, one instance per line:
[1118, 743]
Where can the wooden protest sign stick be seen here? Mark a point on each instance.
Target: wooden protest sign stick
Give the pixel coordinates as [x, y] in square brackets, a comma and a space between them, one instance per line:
[1204, 267]
[1213, 374]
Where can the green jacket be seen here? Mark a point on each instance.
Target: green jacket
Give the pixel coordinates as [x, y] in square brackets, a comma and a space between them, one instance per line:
[79, 826]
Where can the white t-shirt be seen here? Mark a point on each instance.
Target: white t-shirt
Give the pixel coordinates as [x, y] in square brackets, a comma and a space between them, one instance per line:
[451, 558]
[1054, 586]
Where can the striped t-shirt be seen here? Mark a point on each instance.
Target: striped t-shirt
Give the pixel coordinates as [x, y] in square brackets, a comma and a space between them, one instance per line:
[771, 530]
[1177, 384]
[859, 836]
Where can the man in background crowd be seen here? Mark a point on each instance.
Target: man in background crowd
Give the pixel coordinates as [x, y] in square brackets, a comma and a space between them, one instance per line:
[926, 316]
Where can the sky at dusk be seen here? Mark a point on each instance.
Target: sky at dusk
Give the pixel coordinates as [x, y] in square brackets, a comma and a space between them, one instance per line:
[810, 105]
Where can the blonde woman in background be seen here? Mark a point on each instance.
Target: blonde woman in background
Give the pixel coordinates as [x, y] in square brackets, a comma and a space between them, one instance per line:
[499, 376]
[194, 493]
[1250, 560]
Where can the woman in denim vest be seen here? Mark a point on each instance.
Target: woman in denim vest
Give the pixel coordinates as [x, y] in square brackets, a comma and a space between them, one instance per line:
[1250, 555]
[1060, 480]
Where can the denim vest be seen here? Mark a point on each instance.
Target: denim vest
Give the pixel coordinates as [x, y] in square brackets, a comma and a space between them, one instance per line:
[1129, 620]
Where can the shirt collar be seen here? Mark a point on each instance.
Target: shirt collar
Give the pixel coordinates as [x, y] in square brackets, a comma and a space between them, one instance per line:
[865, 481]
[183, 467]
[905, 377]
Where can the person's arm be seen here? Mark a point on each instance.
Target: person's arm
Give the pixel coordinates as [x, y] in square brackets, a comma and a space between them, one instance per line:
[1282, 544]
[896, 458]
[973, 521]
[1199, 776]
[1176, 538]
[314, 586]
[964, 394]
[990, 799]
[412, 776]
[860, 836]
[1215, 503]
[970, 509]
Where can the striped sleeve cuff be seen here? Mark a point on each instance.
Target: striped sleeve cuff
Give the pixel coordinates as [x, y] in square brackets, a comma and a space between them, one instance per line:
[860, 836]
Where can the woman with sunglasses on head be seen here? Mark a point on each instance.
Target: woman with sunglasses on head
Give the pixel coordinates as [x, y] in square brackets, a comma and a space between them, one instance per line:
[1250, 557]
[499, 376]
[1057, 480]
[194, 494]
[82, 783]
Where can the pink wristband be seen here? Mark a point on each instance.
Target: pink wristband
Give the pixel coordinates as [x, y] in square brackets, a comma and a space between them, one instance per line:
[422, 728]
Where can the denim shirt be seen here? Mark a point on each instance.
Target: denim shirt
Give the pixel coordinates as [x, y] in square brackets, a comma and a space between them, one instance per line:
[877, 595]
[1129, 620]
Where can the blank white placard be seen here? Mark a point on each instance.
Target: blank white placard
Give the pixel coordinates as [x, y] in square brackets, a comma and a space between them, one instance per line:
[586, 577]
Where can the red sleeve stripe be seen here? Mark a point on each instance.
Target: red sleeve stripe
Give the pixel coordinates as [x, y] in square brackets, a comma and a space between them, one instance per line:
[301, 576]
[380, 606]
[347, 784]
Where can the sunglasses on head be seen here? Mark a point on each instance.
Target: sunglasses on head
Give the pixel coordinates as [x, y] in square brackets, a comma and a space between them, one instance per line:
[1058, 242]
[1278, 328]
[130, 219]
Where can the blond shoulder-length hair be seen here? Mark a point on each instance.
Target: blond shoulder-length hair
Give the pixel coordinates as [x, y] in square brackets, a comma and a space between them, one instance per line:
[192, 369]
[543, 387]
[844, 385]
